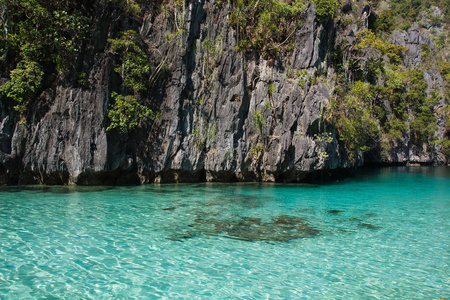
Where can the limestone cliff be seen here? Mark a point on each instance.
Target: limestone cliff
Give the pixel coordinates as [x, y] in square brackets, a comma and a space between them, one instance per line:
[220, 114]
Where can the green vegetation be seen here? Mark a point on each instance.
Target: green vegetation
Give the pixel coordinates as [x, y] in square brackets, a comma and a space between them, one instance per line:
[212, 132]
[368, 115]
[445, 142]
[445, 73]
[127, 113]
[355, 119]
[266, 25]
[129, 7]
[384, 22]
[26, 78]
[38, 38]
[259, 121]
[326, 10]
[134, 68]
[382, 101]
[174, 10]
[402, 13]
[366, 38]
[323, 139]
[199, 138]
[378, 101]
[212, 54]
[257, 151]
[82, 80]
[205, 133]
[445, 147]
[271, 88]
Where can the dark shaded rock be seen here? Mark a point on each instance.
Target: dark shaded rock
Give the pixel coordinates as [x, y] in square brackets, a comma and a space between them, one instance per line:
[334, 211]
[250, 220]
[182, 235]
[283, 228]
[169, 208]
[369, 226]
[288, 220]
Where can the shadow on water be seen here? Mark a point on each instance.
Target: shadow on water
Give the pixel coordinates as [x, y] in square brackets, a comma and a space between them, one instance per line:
[372, 172]
[55, 189]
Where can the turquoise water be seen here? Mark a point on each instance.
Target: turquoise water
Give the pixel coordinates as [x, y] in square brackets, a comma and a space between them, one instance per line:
[384, 234]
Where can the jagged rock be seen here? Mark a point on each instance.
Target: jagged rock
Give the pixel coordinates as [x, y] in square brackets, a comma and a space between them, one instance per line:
[206, 104]
[411, 39]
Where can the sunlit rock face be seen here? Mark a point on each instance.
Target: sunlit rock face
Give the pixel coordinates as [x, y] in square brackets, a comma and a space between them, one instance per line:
[207, 101]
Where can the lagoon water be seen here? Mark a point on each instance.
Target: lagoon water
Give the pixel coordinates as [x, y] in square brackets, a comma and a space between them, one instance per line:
[384, 234]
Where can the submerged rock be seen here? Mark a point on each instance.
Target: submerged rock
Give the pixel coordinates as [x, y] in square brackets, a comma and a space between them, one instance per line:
[282, 228]
[179, 236]
[334, 211]
[288, 220]
[369, 226]
[169, 208]
[356, 219]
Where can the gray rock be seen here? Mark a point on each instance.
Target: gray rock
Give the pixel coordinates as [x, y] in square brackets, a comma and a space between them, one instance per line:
[207, 101]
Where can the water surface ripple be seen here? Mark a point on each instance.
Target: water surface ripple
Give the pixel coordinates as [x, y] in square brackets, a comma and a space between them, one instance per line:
[384, 234]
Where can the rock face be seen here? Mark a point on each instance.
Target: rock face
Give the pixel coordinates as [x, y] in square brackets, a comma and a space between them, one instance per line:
[405, 152]
[208, 101]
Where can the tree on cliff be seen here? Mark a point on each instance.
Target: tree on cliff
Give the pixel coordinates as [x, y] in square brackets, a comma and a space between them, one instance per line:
[38, 38]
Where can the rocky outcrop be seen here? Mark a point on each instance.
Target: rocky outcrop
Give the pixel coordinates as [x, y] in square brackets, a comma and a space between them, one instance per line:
[208, 129]
[208, 101]
[405, 152]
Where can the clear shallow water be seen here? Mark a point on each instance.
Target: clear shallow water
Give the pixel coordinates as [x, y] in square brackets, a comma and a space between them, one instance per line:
[391, 240]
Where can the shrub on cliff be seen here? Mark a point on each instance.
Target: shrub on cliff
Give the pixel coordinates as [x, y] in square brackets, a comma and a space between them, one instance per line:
[134, 67]
[26, 78]
[355, 119]
[266, 25]
[38, 38]
[128, 111]
[326, 10]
